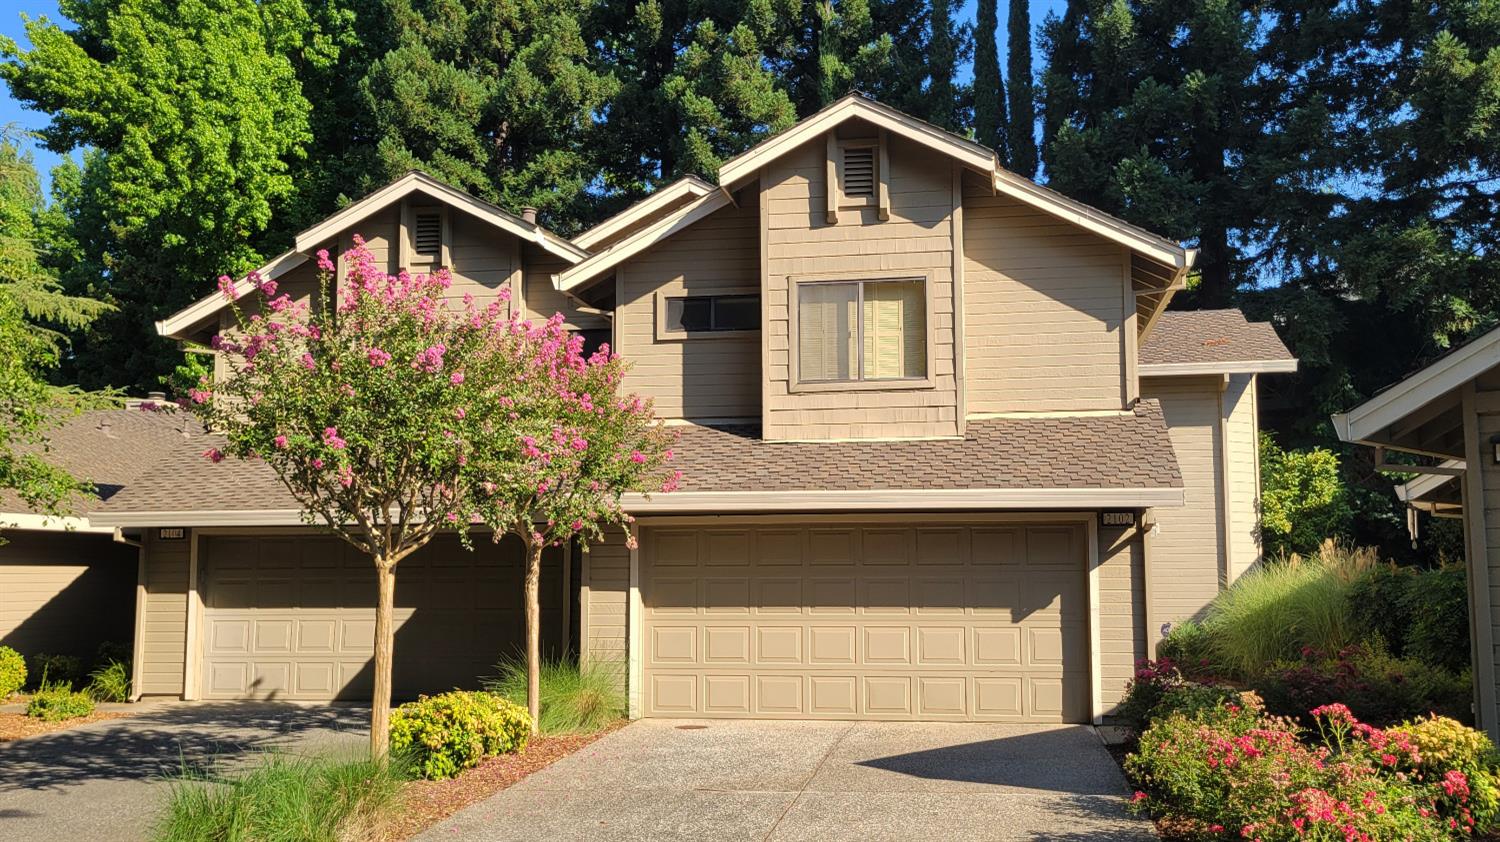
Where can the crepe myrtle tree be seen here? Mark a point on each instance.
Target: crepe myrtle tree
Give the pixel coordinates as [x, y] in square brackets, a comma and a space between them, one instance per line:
[392, 412]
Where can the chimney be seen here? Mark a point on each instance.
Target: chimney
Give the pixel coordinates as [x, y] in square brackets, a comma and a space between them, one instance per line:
[159, 397]
[529, 215]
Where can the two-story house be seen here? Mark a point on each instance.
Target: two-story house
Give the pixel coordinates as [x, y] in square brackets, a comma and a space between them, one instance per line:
[945, 454]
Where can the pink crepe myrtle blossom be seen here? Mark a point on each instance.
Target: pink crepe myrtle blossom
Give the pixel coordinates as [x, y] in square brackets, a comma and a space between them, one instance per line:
[456, 378]
[378, 358]
[214, 455]
[280, 442]
[332, 438]
[228, 288]
[308, 362]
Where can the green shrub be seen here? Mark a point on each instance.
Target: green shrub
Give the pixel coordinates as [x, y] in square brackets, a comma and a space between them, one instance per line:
[1437, 603]
[1158, 690]
[1376, 603]
[1304, 500]
[1187, 645]
[574, 700]
[110, 683]
[12, 672]
[1275, 611]
[1378, 687]
[443, 735]
[56, 702]
[112, 650]
[1445, 744]
[282, 798]
[55, 669]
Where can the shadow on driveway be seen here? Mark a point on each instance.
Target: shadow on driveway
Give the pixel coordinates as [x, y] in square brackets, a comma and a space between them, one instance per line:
[1065, 760]
[162, 739]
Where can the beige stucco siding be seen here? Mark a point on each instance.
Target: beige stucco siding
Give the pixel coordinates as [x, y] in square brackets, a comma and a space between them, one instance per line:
[164, 615]
[605, 609]
[1122, 611]
[707, 377]
[1242, 454]
[65, 593]
[916, 241]
[1043, 309]
[1187, 552]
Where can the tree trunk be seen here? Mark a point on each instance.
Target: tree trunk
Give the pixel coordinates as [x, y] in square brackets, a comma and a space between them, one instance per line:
[385, 641]
[533, 632]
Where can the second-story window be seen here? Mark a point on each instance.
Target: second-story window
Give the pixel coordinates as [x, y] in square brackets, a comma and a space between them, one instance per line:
[853, 331]
[682, 315]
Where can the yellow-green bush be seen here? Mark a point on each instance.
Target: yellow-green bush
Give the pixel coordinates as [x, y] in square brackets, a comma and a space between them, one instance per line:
[442, 735]
[1445, 744]
[56, 702]
[12, 671]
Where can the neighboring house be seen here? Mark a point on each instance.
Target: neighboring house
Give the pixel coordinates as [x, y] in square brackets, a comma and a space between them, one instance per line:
[1447, 416]
[945, 454]
[67, 585]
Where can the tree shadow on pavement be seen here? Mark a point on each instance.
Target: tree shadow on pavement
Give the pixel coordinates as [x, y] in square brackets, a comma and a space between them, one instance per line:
[163, 740]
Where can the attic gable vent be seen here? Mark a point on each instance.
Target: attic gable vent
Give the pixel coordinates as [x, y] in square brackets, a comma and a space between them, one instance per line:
[427, 235]
[859, 171]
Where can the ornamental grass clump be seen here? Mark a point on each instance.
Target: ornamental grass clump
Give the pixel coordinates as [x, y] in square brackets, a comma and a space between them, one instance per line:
[576, 699]
[392, 410]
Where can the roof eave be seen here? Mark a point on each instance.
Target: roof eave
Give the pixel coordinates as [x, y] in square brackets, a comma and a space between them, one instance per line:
[1365, 421]
[1284, 366]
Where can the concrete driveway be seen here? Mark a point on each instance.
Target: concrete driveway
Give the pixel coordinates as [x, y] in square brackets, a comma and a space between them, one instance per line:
[727, 780]
[106, 780]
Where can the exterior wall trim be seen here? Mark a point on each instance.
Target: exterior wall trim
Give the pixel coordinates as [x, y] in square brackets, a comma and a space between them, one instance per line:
[193, 658]
[1476, 545]
[31, 521]
[1196, 369]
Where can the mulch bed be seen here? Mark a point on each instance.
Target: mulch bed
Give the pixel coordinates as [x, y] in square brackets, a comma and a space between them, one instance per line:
[16, 726]
[425, 803]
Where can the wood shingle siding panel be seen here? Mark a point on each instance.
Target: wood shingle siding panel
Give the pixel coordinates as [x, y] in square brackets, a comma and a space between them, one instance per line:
[542, 300]
[164, 615]
[1044, 310]
[917, 240]
[1187, 553]
[608, 597]
[1243, 457]
[65, 593]
[482, 258]
[703, 377]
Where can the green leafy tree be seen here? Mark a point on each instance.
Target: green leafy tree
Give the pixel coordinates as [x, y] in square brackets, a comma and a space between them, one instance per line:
[192, 118]
[990, 123]
[1021, 127]
[396, 414]
[1303, 498]
[947, 40]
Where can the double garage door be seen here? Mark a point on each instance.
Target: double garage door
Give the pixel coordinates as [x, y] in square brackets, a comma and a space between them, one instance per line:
[867, 621]
[293, 617]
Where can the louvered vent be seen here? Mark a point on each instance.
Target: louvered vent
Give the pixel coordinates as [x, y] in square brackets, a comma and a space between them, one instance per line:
[859, 171]
[427, 236]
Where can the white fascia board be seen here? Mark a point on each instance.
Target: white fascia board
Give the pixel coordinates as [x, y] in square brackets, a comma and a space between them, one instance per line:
[576, 276]
[426, 185]
[1425, 484]
[966, 152]
[1417, 390]
[902, 500]
[1235, 367]
[1092, 220]
[645, 208]
[750, 501]
[204, 308]
[33, 522]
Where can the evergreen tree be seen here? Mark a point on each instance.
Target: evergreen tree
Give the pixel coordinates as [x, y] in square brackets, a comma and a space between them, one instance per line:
[1022, 123]
[990, 124]
[946, 39]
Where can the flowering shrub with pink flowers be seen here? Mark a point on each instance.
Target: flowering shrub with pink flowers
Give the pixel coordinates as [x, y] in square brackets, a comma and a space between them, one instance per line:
[392, 409]
[1234, 772]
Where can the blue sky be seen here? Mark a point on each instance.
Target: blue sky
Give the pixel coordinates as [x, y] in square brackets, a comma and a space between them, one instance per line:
[11, 112]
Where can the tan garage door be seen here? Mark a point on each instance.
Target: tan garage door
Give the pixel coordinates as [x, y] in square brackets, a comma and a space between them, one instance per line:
[294, 618]
[867, 621]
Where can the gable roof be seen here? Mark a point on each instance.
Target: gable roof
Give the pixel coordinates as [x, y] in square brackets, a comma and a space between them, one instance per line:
[666, 198]
[1172, 259]
[110, 448]
[413, 183]
[1437, 380]
[1188, 342]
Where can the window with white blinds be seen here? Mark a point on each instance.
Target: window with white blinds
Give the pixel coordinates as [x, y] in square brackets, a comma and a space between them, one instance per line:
[861, 331]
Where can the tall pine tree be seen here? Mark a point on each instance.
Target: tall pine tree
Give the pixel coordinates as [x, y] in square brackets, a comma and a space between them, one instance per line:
[944, 104]
[990, 124]
[1021, 134]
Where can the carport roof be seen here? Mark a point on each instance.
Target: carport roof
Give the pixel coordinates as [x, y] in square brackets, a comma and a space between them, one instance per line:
[1116, 459]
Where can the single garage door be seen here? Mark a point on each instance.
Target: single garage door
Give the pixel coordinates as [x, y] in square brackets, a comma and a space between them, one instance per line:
[867, 621]
[293, 617]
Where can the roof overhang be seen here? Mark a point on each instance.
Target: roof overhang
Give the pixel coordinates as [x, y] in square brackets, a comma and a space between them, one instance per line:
[686, 188]
[1231, 367]
[748, 501]
[200, 312]
[1406, 416]
[33, 522]
[1138, 240]
[595, 267]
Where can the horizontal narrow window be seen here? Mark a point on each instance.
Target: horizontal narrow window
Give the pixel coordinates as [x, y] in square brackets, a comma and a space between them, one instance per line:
[712, 313]
[861, 331]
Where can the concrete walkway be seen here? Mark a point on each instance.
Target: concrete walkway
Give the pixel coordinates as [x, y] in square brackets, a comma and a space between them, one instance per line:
[728, 780]
[108, 779]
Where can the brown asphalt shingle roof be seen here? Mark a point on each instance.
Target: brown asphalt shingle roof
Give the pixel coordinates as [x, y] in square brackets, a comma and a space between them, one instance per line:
[1126, 450]
[111, 448]
[1211, 336]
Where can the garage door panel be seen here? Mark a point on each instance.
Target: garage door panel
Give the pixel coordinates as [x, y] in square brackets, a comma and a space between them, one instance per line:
[947, 622]
[317, 636]
[727, 548]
